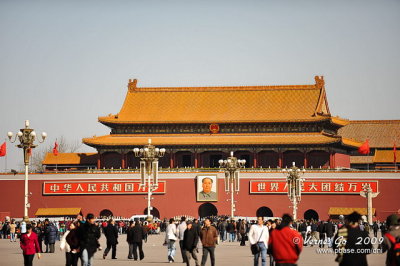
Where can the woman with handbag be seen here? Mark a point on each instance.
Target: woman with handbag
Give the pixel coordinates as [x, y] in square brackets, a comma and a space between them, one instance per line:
[258, 237]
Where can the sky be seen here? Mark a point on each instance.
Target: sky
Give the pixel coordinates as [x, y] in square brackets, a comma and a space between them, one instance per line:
[65, 63]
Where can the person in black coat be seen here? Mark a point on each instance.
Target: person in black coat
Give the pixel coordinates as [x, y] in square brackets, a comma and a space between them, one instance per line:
[88, 235]
[111, 233]
[351, 244]
[135, 236]
[320, 229]
[189, 245]
[51, 236]
[329, 231]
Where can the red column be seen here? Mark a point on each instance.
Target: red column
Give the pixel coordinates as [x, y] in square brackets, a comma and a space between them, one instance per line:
[171, 159]
[255, 159]
[331, 160]
[305, 160]
[123, 161]
[196, 162]
[99, 161]
[280, 159]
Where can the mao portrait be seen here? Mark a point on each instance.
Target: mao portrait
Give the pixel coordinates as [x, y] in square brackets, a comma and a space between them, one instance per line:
[207, 188]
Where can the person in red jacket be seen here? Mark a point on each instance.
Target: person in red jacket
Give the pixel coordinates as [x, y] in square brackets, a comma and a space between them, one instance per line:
[29, 245]
[285, 242]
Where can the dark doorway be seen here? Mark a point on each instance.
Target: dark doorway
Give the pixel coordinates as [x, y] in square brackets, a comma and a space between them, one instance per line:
[106, 213]
[187, 160]
[155, 212]
[311, 215]
[264, 212]
[207, 209]
[214, 160]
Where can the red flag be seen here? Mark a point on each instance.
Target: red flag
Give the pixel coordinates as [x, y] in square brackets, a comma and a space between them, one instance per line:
[364, 149]
[3, 149]
[55, 149]
[394, 153]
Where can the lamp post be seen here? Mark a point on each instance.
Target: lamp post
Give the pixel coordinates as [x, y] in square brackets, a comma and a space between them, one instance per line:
[149, 155]
[231, 167]
[294, 186]
[369, 194]
[26, 137]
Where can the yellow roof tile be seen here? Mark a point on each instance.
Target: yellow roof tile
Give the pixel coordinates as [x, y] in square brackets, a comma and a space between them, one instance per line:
[386, 156]
[70, 158]
[347, 211]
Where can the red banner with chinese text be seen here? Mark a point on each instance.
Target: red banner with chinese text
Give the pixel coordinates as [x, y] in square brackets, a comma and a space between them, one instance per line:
[314, 186]
[97, 187]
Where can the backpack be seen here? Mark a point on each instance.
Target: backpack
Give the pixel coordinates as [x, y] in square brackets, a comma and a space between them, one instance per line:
[395, 250]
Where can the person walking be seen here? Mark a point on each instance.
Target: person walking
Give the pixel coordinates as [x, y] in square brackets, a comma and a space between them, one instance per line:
[243, 228]
[390, 239]
[135, 236]
[208, 236]
[111, 234]
[351, 243]
[286, 243]
[259, 235]
[88, 235]
[170, 238]
[29, 245]
[231, 229]
[51, 233]
[13, 226]
[70, 244]
[181, 230]
[375, 227]
[190, 240]
[329, 232]
[222, 229]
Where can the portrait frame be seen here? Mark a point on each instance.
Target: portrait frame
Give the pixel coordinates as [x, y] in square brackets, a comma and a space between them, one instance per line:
[213, 195]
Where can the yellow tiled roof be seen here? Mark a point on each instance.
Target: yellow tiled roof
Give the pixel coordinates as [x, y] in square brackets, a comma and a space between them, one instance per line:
[386, 156]
[361, 159]
[347, 211]
[218, 139]
[70, 158]
[381, 133]
[58, 211]
[223, 105]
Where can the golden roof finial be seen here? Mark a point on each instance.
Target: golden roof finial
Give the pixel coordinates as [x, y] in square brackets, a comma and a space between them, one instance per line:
[132, 84]
[319, 82]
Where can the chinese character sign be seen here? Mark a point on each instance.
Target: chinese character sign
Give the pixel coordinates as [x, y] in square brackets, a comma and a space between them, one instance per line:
[314, 186]
[96, 187]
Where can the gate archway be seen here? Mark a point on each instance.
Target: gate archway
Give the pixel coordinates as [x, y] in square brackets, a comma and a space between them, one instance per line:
[264, 212]
[207, 209]
[106, 213]
[311, 214]
[155, 212]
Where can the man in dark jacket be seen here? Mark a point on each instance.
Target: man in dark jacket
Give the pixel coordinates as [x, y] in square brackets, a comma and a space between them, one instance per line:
[88, 235]
[135, 236]
[351, 244]
[190, 240]
[51, 236]
[320, 229]
[329, 231]
[111, 233]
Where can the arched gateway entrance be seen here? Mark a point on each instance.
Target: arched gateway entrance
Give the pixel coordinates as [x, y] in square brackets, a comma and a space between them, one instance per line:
[155, 212]
[106, 213]
[311, 214]
[207, 209]
[264, 212]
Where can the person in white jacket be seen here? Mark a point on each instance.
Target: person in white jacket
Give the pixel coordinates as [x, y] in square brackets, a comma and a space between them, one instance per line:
[259, 235]
[170, 238]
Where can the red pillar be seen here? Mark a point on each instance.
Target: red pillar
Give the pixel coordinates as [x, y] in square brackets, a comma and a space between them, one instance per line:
[280, 159]
[99, 161]
[332, 160]
[196, 162]
[305, 160]
[123, 161]
[255, 159]
[171, 159]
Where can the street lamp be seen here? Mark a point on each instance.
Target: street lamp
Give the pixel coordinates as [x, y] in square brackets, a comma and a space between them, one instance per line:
[369, 194]
[231, 167]
[149, 155]
[294, 186]
[26, 137]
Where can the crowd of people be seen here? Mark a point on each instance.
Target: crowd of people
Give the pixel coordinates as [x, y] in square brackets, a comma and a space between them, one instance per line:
[280, 240]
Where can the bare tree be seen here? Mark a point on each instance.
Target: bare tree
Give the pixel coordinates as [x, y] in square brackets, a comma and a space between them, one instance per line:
[39, 154]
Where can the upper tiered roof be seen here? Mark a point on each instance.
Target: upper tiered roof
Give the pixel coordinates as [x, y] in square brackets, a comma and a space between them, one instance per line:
[289, 103]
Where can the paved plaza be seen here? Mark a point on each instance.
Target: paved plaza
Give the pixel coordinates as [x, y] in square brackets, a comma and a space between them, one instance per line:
[227, 254]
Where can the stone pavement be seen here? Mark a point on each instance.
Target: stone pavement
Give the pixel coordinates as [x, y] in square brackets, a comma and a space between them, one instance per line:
[227, 254]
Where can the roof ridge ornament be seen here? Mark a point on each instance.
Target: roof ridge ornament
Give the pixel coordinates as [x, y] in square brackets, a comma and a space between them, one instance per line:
[132, 84]
[319, 82]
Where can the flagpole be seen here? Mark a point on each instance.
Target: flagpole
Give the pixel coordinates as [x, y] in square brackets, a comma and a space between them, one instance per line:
[5, 161]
